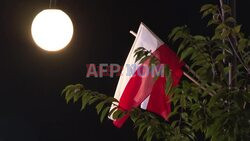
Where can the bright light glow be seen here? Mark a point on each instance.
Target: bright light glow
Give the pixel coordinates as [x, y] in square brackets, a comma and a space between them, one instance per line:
[52, 29]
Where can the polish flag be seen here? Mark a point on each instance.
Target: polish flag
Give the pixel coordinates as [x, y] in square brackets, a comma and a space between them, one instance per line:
[137, 86]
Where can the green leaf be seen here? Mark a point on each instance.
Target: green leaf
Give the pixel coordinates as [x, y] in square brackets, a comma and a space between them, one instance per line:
[139, 56]
[237, 28]
[230, 20]
[183, 102]
[100, 106]
[69, 96]
[210, 22]
[174, 123]
[77, 96]
[186, 53]
[200, 62]
[199, 37]
[207, 12]
[118, 114]
[177, 32]
[93, 100]
[143, 59]
[220, 57]
[172, 114]
[149, 134]
[243, 43]
[141, 129]
[206, 7]
[104, 113]
[181, 47]
[184, 116]
[225, 33]
[85, 100]
[66, 89]
[227, 8]
[174, 31]
[221, 26]
[111, 112]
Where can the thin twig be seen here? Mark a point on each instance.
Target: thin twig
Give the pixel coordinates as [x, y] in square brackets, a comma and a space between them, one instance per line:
[222, 11]
[192, 71]
[197, 83]
[222, 15]
[244, 106]
[235, 52]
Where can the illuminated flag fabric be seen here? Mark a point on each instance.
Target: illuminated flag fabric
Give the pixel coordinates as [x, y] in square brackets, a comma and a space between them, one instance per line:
[138, 87]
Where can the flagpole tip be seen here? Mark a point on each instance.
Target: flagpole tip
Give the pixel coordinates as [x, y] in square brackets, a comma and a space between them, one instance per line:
[133, 33]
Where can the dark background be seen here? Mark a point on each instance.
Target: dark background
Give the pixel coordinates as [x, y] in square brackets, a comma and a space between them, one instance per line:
[31, 108]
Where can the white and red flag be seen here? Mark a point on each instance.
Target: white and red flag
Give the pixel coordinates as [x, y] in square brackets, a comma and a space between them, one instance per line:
[138, 87]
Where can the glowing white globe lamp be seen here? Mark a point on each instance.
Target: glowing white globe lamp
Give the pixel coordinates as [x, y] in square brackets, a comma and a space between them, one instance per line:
[52, 29]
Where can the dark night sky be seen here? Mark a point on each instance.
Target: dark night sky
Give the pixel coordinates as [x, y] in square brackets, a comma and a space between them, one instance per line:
[31, 108]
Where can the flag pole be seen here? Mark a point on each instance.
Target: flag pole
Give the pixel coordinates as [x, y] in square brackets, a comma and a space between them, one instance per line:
[184, 73]
[133, 33]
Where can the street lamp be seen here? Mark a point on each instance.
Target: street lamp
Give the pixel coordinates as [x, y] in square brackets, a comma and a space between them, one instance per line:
[52, 29]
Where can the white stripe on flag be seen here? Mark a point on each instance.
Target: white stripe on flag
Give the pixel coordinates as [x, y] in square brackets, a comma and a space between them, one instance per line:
[144, 104]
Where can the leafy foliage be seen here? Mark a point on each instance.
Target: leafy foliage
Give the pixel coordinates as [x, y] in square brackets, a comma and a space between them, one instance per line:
[218, 108]
[147, 124]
